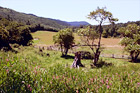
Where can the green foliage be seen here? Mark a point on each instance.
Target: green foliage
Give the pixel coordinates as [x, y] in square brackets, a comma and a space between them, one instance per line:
[131, 40]
[13, 32]
[4, 37]
[65, 39]
[88, 36]
[28, 71]
[101, 16]
[88, 32]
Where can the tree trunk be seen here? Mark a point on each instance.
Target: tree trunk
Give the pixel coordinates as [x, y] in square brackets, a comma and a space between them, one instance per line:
[96, 56]
[97, 53]
[66, 51]
[77, 60]
[134, 57]
[61, 49]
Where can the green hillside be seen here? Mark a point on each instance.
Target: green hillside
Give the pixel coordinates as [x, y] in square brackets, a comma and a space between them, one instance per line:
[31, 19]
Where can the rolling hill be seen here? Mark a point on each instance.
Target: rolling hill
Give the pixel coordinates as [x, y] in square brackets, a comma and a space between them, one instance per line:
[33, 19]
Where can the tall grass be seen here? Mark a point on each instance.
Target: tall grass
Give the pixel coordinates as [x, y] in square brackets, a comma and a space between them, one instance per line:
[32, 71]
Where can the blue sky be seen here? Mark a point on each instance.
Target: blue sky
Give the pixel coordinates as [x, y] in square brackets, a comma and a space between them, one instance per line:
[76, 10]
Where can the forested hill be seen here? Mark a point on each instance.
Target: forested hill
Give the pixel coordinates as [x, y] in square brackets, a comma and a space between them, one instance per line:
[111, 30]
[31, 19]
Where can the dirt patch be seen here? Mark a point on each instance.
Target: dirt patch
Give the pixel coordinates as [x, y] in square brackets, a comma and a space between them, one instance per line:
[110, 41]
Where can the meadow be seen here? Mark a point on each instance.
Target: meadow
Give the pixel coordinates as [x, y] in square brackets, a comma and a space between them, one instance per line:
[43, 37]
[31, 70]
[111, 45]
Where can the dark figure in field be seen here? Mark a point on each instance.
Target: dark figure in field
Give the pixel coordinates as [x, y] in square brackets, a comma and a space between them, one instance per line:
[77, 60]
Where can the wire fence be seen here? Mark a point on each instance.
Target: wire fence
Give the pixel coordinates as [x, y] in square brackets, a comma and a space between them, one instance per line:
[74, 50]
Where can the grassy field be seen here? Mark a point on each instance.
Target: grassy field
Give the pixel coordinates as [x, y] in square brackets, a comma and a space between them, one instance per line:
[43, 37]
[46, 37]
[111, 45]
[33, 71]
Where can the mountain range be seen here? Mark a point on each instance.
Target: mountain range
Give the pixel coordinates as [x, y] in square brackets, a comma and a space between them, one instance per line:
[78, 23]
[33, 19]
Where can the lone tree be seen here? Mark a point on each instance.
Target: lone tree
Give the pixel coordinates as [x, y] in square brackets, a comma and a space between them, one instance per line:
[88, 35]
[101, 16]
[65, 39]
[131, 40]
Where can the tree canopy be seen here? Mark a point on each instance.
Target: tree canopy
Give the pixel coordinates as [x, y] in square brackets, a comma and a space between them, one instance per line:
[12, 32]
[101, 16]
[65, 39]
[131, 40]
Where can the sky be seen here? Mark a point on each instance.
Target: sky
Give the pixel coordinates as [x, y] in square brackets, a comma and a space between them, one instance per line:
[76, 10]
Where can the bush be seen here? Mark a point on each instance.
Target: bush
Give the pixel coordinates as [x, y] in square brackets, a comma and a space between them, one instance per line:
[86, 55]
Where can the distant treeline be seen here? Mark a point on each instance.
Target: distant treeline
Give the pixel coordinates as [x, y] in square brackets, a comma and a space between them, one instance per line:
[110, 30]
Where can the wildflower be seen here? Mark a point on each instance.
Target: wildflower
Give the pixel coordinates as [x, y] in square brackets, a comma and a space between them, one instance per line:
[91, 79]
[57, 77]
[107, 81]
[41, 79]
[23, 82]
[138, 83]
[77, 91]
[51, 82]
[35, 68]
[108, 86]
[30, 88]
[73, 77]
[87, 90]
[35, 72]
[102, 81]
[69, 79]
[89, 83]
[42, 87]
[96, 89]
[96, 77]
[63, 76]
[53, 77]
[7, 70]
[14, 70]
[131, 80]
[38, 67]
[7, 59]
